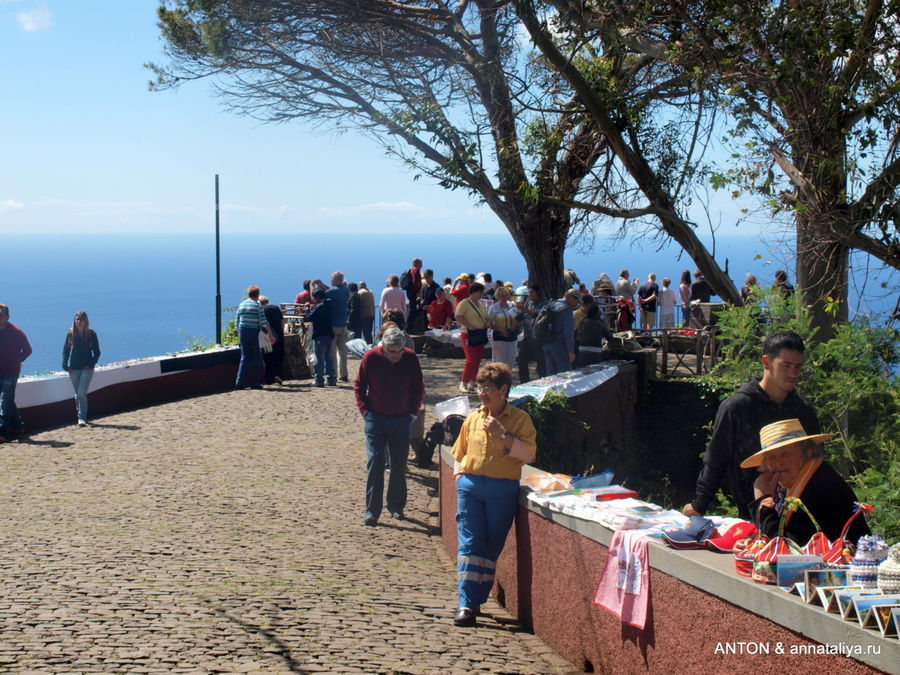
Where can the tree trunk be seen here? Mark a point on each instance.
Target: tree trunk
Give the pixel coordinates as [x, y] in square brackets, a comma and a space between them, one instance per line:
[821, 276]
[540, 234]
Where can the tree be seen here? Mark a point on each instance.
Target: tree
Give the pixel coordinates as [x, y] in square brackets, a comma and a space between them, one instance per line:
[449, 91]
[811, 89]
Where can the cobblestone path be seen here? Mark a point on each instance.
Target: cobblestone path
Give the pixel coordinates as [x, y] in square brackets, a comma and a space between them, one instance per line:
[225, 534]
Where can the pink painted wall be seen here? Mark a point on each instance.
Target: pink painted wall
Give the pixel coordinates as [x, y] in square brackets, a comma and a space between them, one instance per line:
[547, 576]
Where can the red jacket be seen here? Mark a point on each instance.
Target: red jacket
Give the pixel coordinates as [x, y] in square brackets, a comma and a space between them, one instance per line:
[389, 389]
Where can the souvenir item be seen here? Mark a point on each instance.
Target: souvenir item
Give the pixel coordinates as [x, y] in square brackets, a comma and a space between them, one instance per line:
[889, 571]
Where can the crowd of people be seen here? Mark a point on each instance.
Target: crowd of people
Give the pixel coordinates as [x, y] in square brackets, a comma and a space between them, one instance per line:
[766, 445]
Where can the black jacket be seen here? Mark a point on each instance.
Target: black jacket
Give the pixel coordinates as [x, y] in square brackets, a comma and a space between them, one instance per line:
[828, 498]
[78, 354]
[736, 437]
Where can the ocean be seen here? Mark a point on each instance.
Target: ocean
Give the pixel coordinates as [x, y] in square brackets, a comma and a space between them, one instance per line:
[148, 295]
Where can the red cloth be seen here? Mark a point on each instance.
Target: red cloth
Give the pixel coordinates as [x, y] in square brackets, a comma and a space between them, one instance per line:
[440, 312]
[624, 587]
[389, 389]
[303, 298]
[461, 292]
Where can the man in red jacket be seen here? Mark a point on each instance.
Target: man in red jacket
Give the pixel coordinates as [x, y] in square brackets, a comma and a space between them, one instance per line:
[389, 392]
[14, 349]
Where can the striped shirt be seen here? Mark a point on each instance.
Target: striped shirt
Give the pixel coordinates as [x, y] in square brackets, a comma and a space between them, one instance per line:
[250, 314]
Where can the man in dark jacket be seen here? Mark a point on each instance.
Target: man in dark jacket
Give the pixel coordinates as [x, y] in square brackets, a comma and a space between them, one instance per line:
[741, 416]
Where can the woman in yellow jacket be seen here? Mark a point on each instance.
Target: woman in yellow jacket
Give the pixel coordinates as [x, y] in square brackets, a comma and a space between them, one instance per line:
[493, 444]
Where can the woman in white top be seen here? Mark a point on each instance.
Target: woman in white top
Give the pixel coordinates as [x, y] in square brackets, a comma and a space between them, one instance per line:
[504, 320]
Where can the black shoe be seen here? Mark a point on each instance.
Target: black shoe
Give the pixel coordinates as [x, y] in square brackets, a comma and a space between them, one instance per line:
[320, 384]
[464, 617]
[397, 515]
[344, 379]
[258, 386]
[331, 383]
[371, 521]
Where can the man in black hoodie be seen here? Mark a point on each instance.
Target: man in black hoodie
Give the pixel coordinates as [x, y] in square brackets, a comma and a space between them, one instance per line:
[741, 416]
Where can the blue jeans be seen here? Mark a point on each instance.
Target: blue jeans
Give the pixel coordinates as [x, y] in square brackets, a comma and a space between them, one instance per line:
[324, 361]
[556, 357]
[9, 413]
[251, 357]
[81, 380]
[685, 316]
[391, 433]
[485, 509]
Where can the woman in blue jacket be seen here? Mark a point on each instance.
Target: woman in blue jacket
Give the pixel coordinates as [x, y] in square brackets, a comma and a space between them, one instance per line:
[81, 351]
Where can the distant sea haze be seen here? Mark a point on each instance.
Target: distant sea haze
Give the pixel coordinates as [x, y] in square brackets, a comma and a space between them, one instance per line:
[144, 294]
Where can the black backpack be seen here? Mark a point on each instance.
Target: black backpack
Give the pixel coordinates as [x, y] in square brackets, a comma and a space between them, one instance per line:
[405, 280]
[545, 325]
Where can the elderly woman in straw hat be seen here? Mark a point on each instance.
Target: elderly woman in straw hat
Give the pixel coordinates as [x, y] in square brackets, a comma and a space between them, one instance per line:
[791, 465]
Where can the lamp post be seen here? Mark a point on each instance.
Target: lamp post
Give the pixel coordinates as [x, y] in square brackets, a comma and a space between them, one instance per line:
[218, 273]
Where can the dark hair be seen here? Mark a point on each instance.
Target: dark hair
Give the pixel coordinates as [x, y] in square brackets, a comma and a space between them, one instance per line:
[428, 273]
[306, 284]
[477, 287]
[253, 292]
[318, 294]
[780, 276]
[353, 288]
[4, 309]
[487, 276]
[785, 339]
[497, 374]
[587, 299]
[394, 316]
[448, 280]
[535, 287]
[686, 277]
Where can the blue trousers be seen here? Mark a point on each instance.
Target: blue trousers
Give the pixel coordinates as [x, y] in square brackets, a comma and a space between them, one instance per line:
[391, 433]
[324, 361]
[556, 356]
[81, 380]
[251, 356]
[9, 413]
[485, 509]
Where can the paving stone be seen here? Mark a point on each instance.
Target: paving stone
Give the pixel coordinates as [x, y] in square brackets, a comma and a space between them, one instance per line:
[224, 534]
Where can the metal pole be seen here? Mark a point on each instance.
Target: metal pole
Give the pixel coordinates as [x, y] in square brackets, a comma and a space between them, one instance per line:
[218, 273]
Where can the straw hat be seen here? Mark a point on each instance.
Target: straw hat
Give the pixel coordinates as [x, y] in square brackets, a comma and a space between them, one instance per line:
[779, 435]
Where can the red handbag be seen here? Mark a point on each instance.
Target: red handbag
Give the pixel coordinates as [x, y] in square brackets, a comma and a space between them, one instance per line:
[840, 551]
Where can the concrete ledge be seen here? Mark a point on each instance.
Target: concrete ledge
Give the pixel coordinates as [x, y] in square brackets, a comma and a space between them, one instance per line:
[49, 401]
[699, 606]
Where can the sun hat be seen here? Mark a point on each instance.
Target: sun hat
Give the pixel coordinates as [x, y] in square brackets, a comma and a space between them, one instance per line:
[725, 543]
[463, 277]
[779, 435]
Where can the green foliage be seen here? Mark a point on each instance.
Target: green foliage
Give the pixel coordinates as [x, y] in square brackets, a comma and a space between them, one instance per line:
[547, 416]
[196, 343]
[849, 379]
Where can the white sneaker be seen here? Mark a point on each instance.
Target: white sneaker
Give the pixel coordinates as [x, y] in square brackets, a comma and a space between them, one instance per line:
[278, 380]
[82, 423]
[463, 389]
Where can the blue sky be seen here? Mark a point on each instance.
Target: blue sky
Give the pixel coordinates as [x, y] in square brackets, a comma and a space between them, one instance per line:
[87, 147]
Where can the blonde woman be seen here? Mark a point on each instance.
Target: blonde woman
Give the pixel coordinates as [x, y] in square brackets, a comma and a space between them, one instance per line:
[81, 351]
[504, 319]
